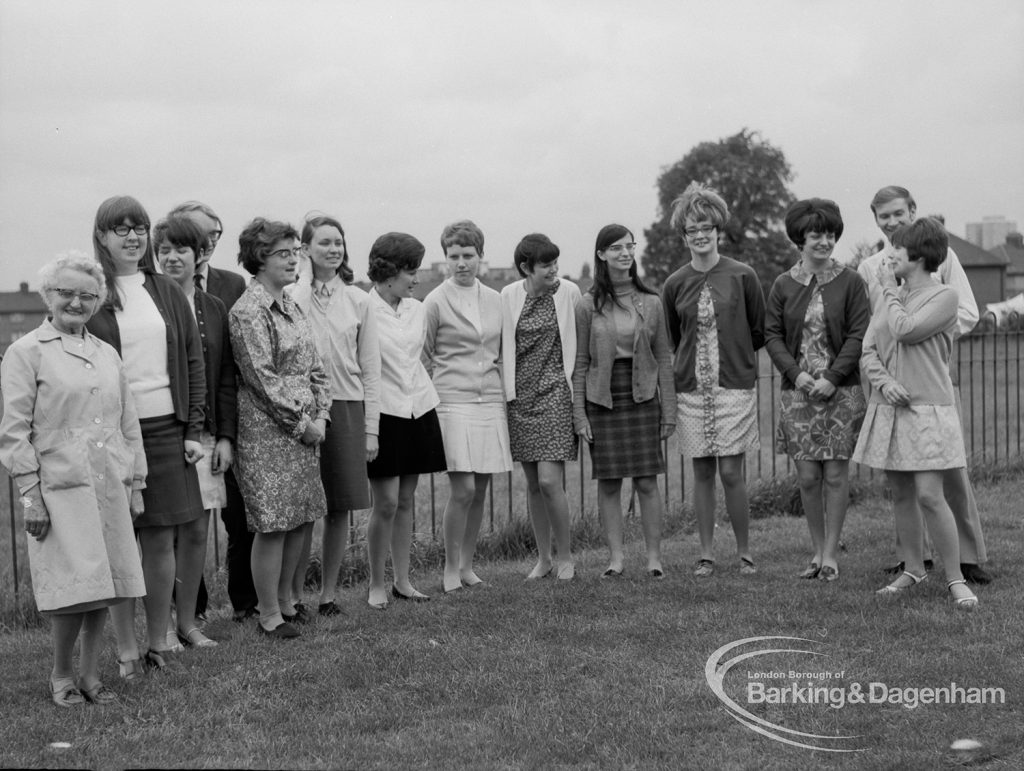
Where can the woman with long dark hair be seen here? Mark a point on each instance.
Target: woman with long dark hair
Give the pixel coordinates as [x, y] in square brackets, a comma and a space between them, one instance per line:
[624, 398]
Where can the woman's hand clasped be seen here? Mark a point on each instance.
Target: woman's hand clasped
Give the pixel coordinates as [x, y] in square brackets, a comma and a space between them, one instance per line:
[37, 518]
[822, 390]
[896, 395]
[223, 455]
[314, 433]
[193, 451]
[135, 505]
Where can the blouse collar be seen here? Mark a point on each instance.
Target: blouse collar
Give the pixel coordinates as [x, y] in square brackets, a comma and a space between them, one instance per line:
[802, 276]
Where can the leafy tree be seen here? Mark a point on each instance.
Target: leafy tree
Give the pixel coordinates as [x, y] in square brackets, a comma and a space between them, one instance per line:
[752, 176]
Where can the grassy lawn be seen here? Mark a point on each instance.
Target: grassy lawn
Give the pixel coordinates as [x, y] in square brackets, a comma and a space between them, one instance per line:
[595, 673]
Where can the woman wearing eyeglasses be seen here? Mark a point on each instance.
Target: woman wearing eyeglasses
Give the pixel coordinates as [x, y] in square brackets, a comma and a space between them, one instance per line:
[149, 322]
[624, 399]
[70, 439]
[715, 311]
[284, 403]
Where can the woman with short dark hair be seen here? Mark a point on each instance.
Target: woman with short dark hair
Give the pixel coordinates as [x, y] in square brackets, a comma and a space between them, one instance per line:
[283, 408]
[410, 441]
[538, 340]
[912, 427]
[818, 313]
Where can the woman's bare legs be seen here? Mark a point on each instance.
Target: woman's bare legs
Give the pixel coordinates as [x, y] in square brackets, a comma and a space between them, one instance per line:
[93, 622]
[158, 569]
[266, 560]
[651, 514]
[463, 516]
[549, 513]
[190, 559]
[336, 526]
[734, 487]
[809, 477]
[401, 533]
[378, 535]
[704, 504]
[837, 498]
[609, 508]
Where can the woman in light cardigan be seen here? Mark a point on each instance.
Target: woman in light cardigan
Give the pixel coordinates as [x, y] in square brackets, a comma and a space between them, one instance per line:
[912, 427]
[462, 352]
[538, 339]
[624, 396]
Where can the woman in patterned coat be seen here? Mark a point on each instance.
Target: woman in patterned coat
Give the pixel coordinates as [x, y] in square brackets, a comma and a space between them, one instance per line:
[283, 407]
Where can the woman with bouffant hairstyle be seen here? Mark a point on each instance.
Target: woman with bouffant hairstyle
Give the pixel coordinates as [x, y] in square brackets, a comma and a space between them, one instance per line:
[410, 441]
[818, 313]
[283, 408]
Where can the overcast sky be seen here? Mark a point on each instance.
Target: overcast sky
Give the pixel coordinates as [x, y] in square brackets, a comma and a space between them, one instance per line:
[549, 116]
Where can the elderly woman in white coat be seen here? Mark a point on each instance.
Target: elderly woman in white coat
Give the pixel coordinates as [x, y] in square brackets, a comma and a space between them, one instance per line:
[462, 352]
[538, 341]
[70, 438]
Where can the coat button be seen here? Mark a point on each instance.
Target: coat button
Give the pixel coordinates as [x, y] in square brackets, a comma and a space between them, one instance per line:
[95, 420]
[88, 365]
[99, 444]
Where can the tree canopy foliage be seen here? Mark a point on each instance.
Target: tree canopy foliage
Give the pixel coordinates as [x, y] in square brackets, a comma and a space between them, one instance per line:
[753, 177]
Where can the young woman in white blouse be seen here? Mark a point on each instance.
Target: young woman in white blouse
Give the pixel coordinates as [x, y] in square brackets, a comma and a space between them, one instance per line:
[345, 331]
[463, 353]
[409, 442]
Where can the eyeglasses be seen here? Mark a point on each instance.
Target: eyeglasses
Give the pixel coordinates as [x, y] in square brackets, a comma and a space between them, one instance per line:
[284, 254]
[71, 294]
[703, 230]
[620, 248]
[123, 230]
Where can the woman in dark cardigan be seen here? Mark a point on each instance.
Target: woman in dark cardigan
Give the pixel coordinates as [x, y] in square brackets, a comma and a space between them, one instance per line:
[818, 313]
[148, 321]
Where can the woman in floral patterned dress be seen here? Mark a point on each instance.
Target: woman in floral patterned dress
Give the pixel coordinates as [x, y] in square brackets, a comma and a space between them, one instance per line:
[538, 341]
[818, 313]
[714, 309]
[283, 406]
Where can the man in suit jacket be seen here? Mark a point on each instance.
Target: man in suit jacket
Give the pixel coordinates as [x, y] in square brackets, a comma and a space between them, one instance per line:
[227, 286]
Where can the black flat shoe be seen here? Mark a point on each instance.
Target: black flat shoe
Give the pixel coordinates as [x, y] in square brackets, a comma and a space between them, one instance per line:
[283, 631]
[975, 574]
[812, 570]
[301, 615]
[330, 609]
[611, 573]
[414, 597]
[656, 573]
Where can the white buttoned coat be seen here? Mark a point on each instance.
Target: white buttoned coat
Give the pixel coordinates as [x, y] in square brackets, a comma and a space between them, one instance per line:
[69, 424]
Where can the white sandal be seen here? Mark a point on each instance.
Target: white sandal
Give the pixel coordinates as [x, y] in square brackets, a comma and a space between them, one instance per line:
[896, 588]
[967, 602]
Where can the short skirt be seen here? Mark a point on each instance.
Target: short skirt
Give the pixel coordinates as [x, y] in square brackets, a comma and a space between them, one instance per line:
[343, 458]
[408, 446]
[716, 422]
[819, 430]
[211, 486]
[627, 437]
[171, 495]
[475, 437]
[921, 437]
